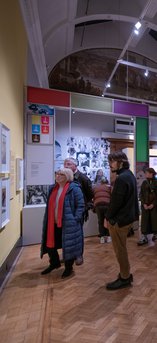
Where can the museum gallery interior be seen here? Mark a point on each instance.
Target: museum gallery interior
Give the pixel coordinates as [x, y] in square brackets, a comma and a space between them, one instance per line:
[78, 79]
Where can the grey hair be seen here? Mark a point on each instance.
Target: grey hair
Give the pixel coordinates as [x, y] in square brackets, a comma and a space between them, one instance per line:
[68, 173]
[71, 159]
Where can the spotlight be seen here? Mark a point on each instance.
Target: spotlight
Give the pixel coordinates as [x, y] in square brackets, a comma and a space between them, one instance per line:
[108, 85]
[138, 25]
[136, 32]
[146, 73]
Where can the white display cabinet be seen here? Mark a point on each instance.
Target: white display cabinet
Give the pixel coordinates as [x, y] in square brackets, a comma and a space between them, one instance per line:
[32, 220]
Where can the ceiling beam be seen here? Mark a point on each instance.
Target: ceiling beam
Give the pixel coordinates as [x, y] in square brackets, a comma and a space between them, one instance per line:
[143, 14]
[29, 9]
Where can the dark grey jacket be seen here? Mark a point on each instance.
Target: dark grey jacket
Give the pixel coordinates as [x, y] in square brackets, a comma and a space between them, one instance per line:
[148, 195]
[86, 186]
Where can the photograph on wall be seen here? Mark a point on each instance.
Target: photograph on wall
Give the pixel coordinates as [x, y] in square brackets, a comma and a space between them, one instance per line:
[44, 110]
[4, 201]
[37, 195]
[91, 154]
[19, 174]
[35, 138]
[40, 122]
[83, 159]
[5, 149]
[12, 174]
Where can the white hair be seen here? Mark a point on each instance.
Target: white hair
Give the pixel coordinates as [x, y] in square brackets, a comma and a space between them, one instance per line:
[68, 173]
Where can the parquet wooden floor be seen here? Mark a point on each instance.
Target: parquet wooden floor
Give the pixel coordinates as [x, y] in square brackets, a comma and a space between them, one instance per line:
[45, 309]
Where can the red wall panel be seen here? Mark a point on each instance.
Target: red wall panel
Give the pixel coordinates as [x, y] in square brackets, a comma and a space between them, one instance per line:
[48, 97]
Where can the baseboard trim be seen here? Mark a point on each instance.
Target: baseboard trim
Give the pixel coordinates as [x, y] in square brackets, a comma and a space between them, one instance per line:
[8, 264]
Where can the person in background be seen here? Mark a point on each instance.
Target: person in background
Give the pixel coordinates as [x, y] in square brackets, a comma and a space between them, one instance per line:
[148, 197]
[101, 199]
[122, 212]
[62, 224]
[99, 176]
[86, 187]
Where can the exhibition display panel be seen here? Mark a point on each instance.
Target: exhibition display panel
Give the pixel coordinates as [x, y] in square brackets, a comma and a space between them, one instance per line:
[48, 144]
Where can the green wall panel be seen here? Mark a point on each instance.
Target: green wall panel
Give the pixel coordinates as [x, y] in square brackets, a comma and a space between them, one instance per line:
[91, 102]
[142, 140]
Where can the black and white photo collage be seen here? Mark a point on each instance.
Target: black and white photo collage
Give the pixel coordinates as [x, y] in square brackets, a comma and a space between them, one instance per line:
[91, 154]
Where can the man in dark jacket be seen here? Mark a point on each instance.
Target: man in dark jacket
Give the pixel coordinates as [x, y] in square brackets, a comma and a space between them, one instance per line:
[122, 212]
[86, 187]
[83, 180]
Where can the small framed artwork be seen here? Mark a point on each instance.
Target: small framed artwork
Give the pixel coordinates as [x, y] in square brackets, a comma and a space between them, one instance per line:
[19, 174]
[40, 128]
[5, 149]
[4, 201]
[37, 194]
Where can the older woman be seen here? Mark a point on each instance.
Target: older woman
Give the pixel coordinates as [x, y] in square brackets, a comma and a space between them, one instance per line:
[62, 225]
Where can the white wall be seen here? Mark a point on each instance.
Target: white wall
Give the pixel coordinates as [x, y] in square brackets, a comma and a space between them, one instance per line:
[13, 52]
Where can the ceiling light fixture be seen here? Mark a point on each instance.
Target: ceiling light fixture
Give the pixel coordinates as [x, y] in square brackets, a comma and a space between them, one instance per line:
[138, 25]
[146, 73]
[108, 85]
[136, 32]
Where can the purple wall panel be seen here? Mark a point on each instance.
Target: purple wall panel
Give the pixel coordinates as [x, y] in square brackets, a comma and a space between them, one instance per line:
[130, 108]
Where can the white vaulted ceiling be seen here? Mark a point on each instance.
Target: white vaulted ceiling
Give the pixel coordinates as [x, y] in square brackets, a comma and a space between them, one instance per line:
[58, 28]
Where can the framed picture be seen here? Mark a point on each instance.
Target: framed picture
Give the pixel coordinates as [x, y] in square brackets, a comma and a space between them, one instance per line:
[4, 201]
[5, 149]
[37, 194]
[19, 174]
[40, 128]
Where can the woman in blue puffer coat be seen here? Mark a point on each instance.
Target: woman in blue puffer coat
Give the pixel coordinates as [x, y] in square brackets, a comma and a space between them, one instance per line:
[62, 224]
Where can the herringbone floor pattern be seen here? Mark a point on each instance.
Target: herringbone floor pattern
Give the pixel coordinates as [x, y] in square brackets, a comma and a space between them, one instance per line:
[45, 309]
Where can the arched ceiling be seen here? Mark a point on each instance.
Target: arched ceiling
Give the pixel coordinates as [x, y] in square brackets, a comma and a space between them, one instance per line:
[58, 28]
